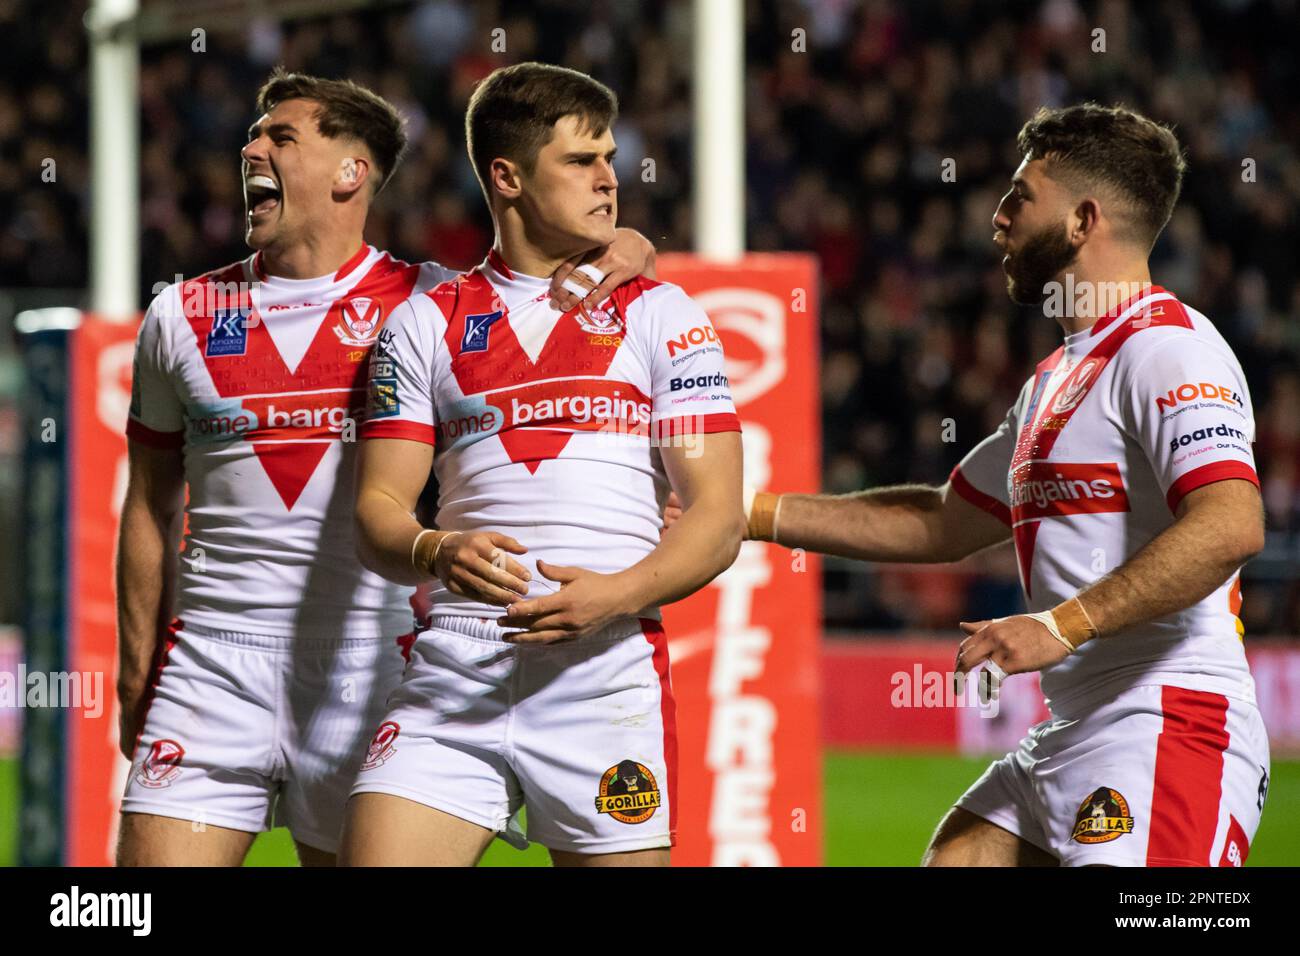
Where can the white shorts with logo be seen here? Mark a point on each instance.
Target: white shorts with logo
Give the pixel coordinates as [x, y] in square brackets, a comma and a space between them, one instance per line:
[1156, 776]
[248, 731]
[582, 732]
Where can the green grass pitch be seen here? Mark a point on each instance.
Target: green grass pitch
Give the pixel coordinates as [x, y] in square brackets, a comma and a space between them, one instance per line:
[880, 809]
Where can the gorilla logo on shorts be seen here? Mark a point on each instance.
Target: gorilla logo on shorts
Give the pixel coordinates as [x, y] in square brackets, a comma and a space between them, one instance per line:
[382, 747]
[1102, 817]
[628, 793]
[161, 764]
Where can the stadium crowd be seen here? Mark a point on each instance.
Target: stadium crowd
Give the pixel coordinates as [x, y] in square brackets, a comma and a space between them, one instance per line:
[849, 125]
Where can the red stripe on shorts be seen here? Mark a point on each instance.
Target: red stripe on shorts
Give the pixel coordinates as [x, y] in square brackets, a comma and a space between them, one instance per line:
[654, 634]
[1188, 778]
[161, 655]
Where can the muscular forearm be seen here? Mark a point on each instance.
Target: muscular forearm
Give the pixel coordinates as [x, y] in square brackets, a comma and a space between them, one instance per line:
[696, 549]
[1177, 568]
[901, 523]
[146, 584]
[385, 535]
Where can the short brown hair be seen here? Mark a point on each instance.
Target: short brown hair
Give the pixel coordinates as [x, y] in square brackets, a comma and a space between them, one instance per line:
[513, 112]
[346, 110]
[1113, 148]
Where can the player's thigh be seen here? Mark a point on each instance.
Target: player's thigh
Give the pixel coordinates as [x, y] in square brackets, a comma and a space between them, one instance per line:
[657, 857]
[965, 839]
[387, 830]
[145, 839]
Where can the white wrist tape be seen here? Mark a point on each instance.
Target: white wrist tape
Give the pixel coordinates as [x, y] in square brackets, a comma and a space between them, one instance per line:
[415, 546]
[1046, 619]
[583, 280]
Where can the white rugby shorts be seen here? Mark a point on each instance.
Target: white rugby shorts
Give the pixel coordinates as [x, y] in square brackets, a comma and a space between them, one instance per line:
[582, 732]
[1154, 776]
[248, 731]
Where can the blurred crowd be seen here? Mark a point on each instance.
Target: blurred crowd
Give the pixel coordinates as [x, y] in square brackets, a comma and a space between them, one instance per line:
[852, 110]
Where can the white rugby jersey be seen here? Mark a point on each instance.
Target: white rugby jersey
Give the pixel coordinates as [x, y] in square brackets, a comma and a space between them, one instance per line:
[1110, 433]
[261, 380]
[542, 422]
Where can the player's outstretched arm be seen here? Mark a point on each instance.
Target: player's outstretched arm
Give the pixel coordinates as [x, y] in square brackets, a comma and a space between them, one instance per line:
[148, 541]
[391, 473]
[693, 550]
[1218, 528]
[904, 523]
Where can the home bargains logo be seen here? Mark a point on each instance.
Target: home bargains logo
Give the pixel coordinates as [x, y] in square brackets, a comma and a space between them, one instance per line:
[1047, 489]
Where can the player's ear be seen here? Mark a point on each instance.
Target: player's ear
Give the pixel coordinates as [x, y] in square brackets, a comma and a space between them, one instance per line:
[352, 174]
[504, 177]
[1084, 221]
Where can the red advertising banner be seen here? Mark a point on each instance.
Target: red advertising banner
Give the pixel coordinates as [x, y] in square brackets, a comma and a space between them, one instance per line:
[891, 693]
[100, 396]
[745, 650]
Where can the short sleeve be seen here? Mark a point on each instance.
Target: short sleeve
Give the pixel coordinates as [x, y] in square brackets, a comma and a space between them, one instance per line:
[399, 400]
[691, 393]
[1190, 411]
[981, 477]
[157, 416]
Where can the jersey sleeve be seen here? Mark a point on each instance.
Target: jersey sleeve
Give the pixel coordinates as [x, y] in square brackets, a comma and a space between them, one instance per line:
[157, 416]
[399, 401]
[690, 390]
[981, 477]
[1190, 411]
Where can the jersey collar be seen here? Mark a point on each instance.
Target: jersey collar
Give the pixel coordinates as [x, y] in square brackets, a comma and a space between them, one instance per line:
[1120, 309]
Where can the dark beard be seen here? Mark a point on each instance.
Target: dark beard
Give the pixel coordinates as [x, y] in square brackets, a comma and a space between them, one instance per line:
[1041, 260]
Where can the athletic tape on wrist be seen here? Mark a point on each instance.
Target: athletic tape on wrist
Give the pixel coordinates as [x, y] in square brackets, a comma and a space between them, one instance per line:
[433, 564]
[1046, 619]
[415, 546]
[583, 280]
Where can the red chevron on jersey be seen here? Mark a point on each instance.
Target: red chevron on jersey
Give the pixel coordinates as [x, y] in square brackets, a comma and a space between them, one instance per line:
[294, 413]
[486, 354]
[1040, 432]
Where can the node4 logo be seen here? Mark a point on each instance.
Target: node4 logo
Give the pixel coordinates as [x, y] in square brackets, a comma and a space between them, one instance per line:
[229, 334]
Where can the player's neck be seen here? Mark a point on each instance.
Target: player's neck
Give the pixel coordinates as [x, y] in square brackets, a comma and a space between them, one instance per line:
[528, 254]
[1090, 291]
[322, 255]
